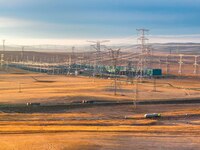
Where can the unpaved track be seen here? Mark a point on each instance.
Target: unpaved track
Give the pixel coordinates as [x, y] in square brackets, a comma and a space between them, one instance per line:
[62, 107]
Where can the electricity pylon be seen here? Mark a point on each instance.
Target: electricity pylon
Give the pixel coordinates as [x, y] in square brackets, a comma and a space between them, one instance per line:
[129, 72]
[115, 55]
[71, 61]
[97, 47]
[144, 51]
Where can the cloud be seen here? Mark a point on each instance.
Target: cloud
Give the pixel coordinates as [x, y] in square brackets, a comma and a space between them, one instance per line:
[123, 41]
[7, 22]
[50, 19]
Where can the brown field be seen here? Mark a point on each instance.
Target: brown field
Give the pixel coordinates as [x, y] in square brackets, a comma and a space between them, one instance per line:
[23, 88]
[97, 127]
[98, 141]
[103, 128]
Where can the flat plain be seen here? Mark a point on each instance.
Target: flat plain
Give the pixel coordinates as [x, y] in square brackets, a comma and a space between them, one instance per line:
[96, 126]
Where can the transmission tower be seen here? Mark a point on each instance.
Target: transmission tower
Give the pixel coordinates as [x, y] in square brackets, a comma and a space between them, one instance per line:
[71, 60]
[115, 55]
[144, 51]
[98, 59]
[129, 72]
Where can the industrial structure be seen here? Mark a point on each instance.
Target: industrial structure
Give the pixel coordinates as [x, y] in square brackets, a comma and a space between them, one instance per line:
[101, 62]
[171, 64]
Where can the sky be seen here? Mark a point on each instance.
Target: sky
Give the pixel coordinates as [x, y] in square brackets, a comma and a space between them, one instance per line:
[74, 22]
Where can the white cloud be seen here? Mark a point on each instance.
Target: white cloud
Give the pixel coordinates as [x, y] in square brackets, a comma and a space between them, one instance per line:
[113, 42]
[29, 41]
[6, 22]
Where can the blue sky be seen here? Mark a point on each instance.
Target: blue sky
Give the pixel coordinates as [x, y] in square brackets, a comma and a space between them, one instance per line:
[97, 19]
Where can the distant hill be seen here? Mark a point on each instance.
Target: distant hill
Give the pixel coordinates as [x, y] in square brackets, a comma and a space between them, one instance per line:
[193, 48]
[186, 48]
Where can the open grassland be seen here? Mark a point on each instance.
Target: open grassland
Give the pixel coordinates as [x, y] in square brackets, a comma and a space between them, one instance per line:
[23, 88]
[98, 141]
[103, 128]
[175, 118]
[194, 130]
[97, 127]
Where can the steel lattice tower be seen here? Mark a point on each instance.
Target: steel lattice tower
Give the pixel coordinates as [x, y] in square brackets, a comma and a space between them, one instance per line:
[115, 55]
[98, 59]
[144, 51]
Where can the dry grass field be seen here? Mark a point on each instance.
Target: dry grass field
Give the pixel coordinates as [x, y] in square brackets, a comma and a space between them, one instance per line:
[23, 88]
[98, 141]
[103, 128]
[97, 127]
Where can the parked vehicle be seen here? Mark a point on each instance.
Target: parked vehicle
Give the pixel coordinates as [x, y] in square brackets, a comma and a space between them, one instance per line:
[153, 115]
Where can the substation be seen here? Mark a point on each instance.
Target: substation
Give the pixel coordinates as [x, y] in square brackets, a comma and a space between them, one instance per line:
[134, 65]
[104, 61]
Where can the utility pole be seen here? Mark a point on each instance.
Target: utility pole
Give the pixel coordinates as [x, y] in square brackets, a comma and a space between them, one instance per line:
[136, 93]
[3, 54]
[115, 56]
[144, 50]
[180, 64]
[167, 65]
[22, 54]
[195, 65]
[159, 62]
[98, 59]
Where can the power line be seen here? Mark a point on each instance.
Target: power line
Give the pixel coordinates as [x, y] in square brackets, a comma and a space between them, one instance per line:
[115, 55]
[97, 46]
[144, 50]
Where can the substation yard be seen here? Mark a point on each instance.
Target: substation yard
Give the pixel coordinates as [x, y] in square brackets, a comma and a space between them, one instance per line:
[109, 125]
